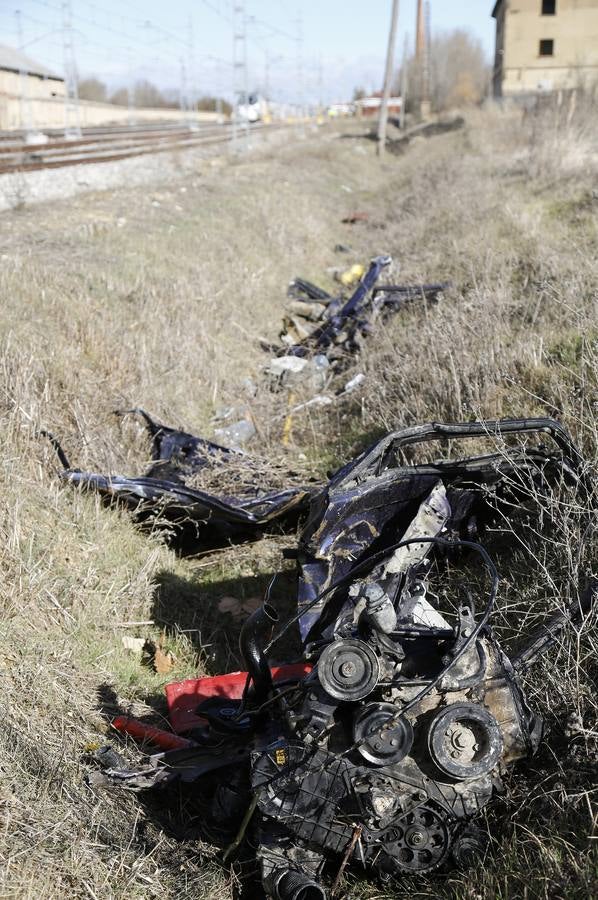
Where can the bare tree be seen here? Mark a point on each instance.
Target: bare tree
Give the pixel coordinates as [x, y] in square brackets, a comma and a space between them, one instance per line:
[92, 89]
[120, 97]
[459, 72]
[147, 94]
[211, 104]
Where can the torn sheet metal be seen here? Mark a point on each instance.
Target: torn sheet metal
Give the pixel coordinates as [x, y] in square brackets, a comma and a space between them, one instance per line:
[318, 322]
[197, 519]
[379, 498]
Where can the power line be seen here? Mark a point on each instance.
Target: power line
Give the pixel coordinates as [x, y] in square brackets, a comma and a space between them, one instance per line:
[127, 49]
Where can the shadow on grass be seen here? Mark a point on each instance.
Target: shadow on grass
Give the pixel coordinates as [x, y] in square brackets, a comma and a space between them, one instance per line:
[190, 606]
[181, 812]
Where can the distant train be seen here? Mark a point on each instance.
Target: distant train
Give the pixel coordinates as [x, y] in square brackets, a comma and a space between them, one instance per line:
[255, 108]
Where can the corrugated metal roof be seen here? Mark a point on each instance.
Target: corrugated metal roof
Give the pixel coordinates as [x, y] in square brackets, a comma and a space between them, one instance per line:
[13, 60]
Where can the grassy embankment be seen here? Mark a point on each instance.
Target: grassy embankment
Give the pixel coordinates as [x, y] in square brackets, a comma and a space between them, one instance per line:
[157, 297]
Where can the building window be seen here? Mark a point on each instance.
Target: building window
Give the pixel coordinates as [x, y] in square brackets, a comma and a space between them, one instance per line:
[549, 7]
[547, 48]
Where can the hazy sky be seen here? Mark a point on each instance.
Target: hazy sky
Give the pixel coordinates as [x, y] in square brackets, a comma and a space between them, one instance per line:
[343, 45]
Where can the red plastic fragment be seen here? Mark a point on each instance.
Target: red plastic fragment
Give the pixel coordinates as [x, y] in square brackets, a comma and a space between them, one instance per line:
[142, 732]
[183, 697]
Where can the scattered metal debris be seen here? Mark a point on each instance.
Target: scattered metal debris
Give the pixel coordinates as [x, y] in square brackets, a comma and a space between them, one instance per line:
[382, 744]
[168, 495]
[366, 501]
[317, 322]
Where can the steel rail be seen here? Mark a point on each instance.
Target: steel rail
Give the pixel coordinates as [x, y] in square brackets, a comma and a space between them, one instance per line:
[37, 161]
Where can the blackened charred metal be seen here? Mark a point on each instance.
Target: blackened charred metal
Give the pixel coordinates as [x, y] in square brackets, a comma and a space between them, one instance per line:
[380, 497]
[331, 324]
[382, 754]
[196, 519]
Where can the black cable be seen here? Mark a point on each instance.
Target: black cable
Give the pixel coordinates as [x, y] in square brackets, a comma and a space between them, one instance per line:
[368, 563]
[462, 650]
[371, 560]
[57, 447]
[248, 679]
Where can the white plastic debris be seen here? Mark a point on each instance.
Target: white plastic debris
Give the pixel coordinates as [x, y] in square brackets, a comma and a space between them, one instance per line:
[356, 382]
[282, 364]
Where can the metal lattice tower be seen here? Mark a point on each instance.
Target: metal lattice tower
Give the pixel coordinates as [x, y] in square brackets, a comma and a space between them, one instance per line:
[26, 121]
[191, 87]
[240, 74]
[130, 88]
[184, 93]
[72, 123]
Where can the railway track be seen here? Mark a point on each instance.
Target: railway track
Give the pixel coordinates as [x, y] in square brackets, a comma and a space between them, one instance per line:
[108, 144]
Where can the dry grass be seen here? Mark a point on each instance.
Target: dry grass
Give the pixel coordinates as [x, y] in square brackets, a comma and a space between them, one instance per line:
[112, 300]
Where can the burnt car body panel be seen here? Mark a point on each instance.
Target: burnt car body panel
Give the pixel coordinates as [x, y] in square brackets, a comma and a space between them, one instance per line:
[199, 519]
[399, 731]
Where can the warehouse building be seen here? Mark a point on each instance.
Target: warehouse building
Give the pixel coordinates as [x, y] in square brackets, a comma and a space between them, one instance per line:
[40, 82]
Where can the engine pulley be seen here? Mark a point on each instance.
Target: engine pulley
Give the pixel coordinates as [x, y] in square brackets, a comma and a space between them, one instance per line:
[348, 670]
[378, 745]
[416, 843]
[465, 740]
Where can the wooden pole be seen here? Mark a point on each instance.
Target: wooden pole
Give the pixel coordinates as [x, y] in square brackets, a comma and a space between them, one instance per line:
[383, 120]
[404, 82]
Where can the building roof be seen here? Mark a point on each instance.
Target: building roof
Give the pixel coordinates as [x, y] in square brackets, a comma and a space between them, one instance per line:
[12, 60]
[495, 9]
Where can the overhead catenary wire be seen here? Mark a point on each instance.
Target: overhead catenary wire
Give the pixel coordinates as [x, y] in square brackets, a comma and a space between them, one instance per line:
[125, 45]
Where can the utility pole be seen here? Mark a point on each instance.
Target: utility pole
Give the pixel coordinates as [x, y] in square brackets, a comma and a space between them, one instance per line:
[390, 52]
[404, 82]
[240, 73]
[24, 105]
[422, 56]
[269, 61]
[220, 81]
[183, 95]
[426, 104]
[72, 124]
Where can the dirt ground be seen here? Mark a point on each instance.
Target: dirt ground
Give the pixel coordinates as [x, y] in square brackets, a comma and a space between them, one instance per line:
[158, 296]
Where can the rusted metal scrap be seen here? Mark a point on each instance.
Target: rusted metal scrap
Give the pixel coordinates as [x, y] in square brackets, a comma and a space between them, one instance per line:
[318, 322]
[383, 743]
[165, 497]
